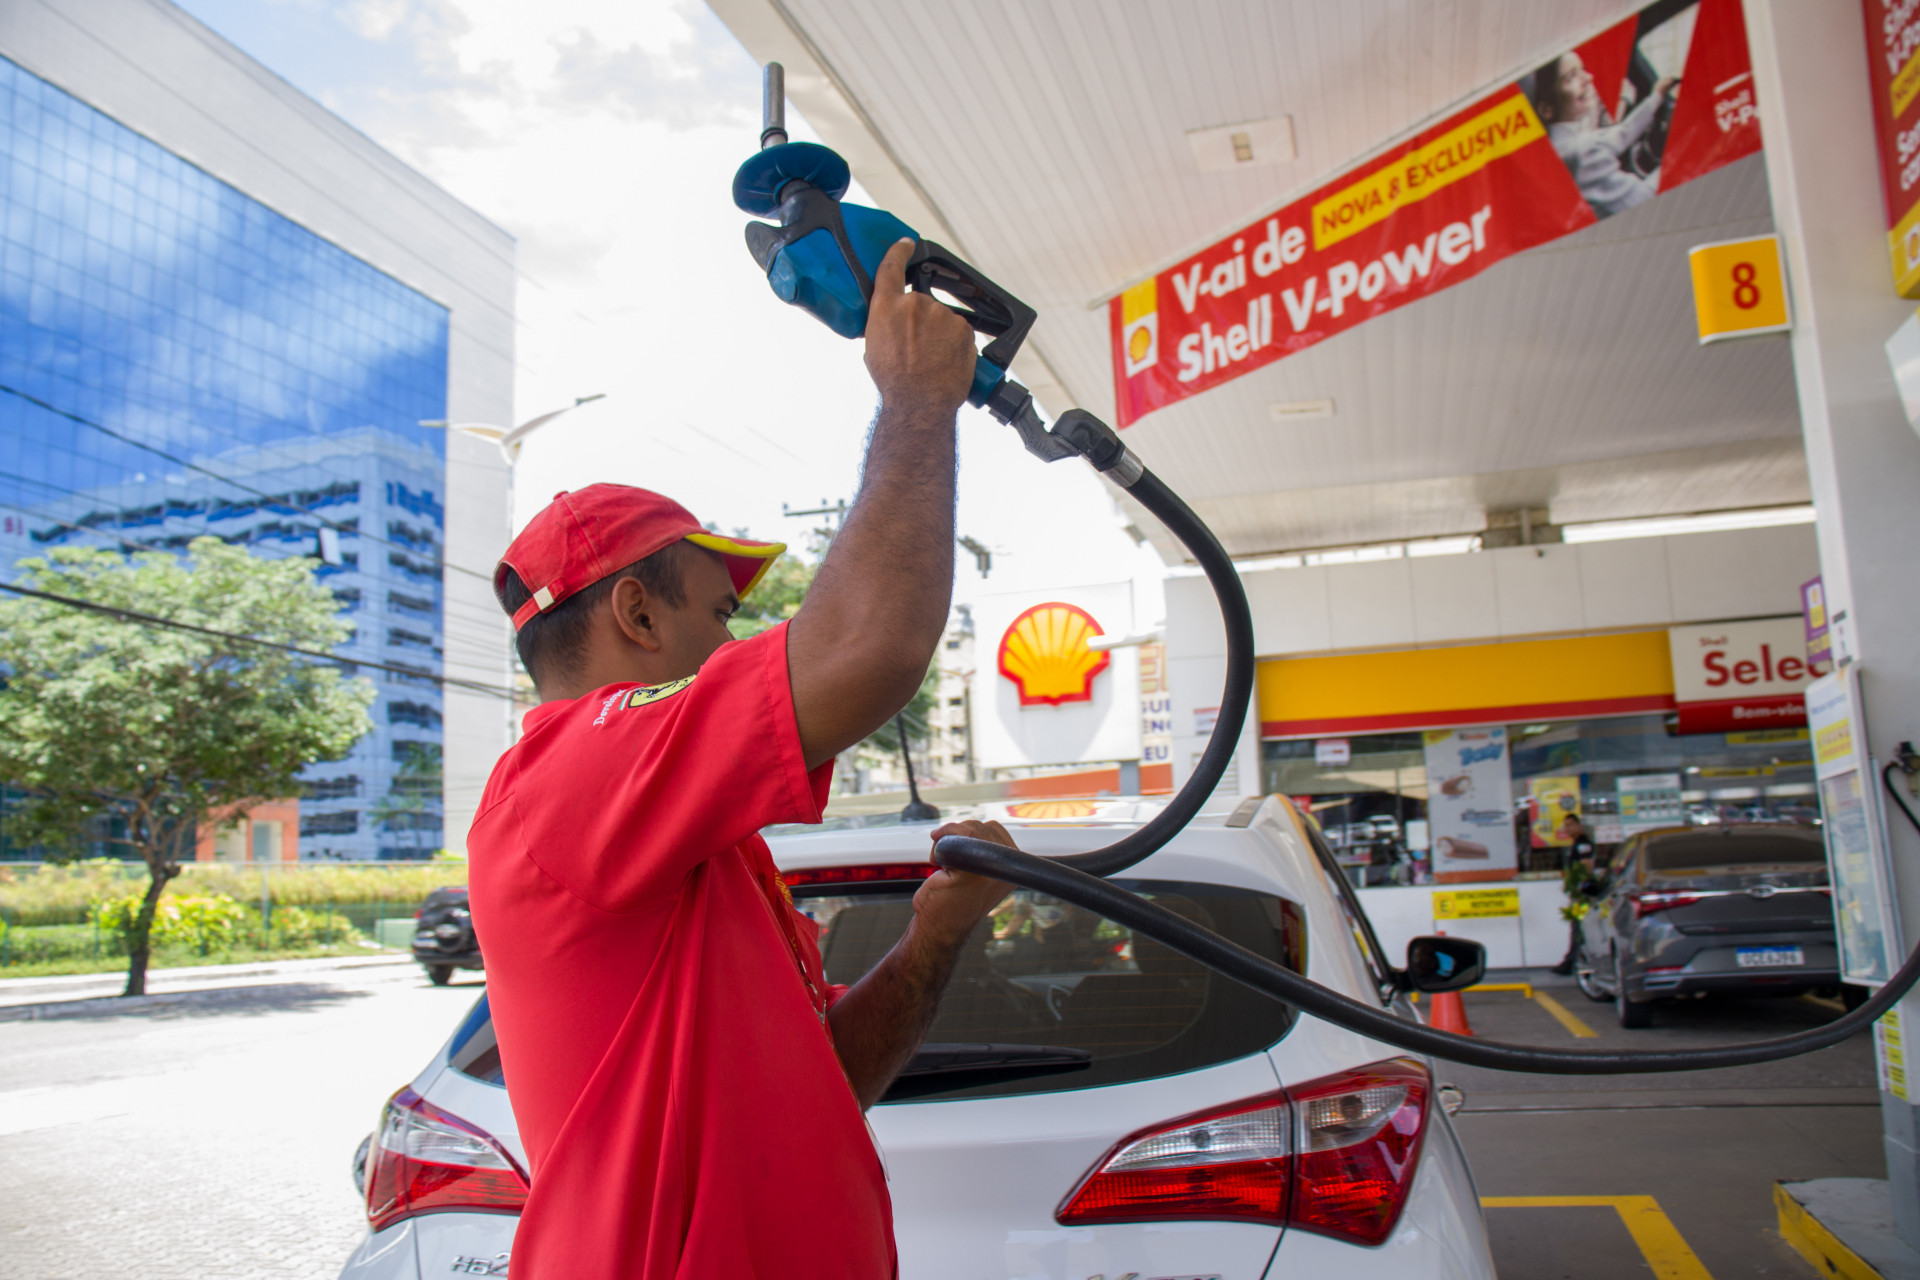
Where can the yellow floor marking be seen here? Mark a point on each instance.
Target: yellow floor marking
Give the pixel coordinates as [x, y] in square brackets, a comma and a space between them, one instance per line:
[1815, 1243]
[1564, 1016]
[1526, 988]
[1659, 1241]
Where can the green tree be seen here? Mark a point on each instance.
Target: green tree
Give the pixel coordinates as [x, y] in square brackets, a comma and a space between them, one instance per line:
[412, 803]
[778, 595]
[138, 733]
[777, 598]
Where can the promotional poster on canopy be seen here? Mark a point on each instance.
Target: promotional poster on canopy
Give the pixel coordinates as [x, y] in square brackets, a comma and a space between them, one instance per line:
[1652, 102]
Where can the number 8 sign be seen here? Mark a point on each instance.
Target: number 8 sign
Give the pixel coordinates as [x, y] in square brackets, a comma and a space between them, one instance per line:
[1739, 288]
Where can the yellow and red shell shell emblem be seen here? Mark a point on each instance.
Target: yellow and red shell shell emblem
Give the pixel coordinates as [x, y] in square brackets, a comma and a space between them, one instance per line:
[1046, 656]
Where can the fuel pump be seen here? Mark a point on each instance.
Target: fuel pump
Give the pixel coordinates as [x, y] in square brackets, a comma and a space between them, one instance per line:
[820, 254]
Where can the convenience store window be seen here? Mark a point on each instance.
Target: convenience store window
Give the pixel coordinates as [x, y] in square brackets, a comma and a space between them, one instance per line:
[1369, 792]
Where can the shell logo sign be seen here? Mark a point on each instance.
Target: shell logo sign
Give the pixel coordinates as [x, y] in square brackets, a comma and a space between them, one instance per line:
[1140, 326]
[1044, 652]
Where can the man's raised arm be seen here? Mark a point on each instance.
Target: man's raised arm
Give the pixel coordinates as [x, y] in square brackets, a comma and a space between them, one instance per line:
[860, 644]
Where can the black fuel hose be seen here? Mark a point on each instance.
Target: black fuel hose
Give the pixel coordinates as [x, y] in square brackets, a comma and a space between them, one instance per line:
[1154, 495]
[1076, 878]
[1265, 976]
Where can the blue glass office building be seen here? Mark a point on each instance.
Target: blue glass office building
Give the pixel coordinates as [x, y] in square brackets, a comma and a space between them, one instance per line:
[177, 359]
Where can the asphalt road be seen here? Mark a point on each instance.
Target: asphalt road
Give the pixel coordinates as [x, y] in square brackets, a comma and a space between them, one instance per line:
[209, 1139]
[1706, 1146]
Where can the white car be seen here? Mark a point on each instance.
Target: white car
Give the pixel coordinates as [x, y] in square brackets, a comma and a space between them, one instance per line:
[1088, 1104]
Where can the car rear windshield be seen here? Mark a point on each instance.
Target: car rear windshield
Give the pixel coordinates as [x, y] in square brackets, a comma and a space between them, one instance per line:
[1044, 973]
[1691, 851]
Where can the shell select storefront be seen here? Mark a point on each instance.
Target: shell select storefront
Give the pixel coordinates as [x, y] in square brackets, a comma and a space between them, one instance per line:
[1496, 727]
[1480, 764]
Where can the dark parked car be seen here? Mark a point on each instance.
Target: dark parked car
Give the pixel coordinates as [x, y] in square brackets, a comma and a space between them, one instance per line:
[1689, 910]
[443, 937]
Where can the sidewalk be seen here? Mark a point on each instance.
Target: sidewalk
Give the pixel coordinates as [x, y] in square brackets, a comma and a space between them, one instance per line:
[22, 998]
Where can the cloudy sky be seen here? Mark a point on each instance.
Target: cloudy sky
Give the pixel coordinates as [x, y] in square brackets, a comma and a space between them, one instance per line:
[603, 134]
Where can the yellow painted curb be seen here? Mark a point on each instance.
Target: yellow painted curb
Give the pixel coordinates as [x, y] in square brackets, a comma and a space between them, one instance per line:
[1658, 1240]
[1812, 1241]
[1564, 1016]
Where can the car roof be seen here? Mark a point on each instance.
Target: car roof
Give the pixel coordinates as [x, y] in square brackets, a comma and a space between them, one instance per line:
[1735, 831]
[1206, 851]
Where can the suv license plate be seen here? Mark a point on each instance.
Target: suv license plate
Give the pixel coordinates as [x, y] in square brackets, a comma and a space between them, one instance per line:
[1767, 957]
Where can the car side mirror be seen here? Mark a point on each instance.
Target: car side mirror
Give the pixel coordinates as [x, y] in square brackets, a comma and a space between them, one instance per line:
[1442, 964]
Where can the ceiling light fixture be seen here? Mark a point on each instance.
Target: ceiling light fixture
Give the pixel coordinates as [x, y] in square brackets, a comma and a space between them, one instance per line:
[1243, 145]
[1297, 410]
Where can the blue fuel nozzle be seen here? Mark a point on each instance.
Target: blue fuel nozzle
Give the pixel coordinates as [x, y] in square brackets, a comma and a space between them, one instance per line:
[821, 252]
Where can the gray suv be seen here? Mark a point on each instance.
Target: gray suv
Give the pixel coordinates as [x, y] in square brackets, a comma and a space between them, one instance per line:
[1743, 908]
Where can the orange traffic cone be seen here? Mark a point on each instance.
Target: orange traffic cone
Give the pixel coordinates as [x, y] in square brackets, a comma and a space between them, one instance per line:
[1450, 1014]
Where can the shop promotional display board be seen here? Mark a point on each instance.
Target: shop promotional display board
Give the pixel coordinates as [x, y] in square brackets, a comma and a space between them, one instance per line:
[1649, 800]
[1741, 675]
[1042, 696]
[1156, 708]
[1813, 614]
[1856, 841]
[1893, 81]
[1555, 801]
[1470, 805]
[1652, 102]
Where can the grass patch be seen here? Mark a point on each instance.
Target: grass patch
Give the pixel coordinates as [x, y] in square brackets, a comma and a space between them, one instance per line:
[35, 895]
[177, 958]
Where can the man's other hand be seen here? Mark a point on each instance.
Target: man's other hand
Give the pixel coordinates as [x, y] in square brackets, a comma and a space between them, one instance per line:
[921, 354]
[950, 903]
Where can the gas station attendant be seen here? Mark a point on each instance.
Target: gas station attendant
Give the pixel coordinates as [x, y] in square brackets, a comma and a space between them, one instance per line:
[688, 1087]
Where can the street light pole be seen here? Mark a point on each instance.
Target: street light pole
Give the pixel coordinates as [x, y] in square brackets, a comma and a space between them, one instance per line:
[510, 441]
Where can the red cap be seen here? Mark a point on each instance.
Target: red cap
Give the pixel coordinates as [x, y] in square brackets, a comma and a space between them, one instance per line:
[585, 535]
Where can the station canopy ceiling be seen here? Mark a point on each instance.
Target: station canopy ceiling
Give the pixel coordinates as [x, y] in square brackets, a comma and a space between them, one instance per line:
[1046, 141]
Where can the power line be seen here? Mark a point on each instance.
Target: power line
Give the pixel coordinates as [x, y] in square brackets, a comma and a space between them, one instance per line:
[158, 452]
[479, 618]
[151, 620]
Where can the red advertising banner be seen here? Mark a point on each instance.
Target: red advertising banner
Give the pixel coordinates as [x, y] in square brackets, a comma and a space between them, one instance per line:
[1893, 77]
[1527, 163]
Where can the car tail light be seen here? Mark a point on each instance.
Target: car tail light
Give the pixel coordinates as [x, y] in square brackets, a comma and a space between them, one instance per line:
[1648, 903]
[1334, 1156]
[425, 1160]
[859, 875]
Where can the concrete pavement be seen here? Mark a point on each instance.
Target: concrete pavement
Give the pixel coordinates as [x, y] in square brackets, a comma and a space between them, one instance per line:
[206, 1132]
[1564, 1157]
[63, 989]
[206, 1135]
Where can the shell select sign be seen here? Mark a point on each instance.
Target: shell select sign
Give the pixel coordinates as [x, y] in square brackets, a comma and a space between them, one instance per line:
[1044, 652]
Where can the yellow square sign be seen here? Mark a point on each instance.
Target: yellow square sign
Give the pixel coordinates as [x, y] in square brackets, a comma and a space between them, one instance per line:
[1739, 288]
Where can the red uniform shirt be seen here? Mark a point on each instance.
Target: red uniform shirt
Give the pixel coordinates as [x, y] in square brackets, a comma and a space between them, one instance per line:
[659, 1004]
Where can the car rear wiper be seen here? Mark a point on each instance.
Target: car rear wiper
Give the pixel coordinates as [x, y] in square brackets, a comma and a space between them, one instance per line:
[958, 1066]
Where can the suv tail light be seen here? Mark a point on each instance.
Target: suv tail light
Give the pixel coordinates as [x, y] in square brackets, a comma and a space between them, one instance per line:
[1648, 903]
[1334, 1155]
[425, 1160]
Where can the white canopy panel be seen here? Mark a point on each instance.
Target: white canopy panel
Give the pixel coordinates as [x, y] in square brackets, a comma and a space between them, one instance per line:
[1045, 140]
